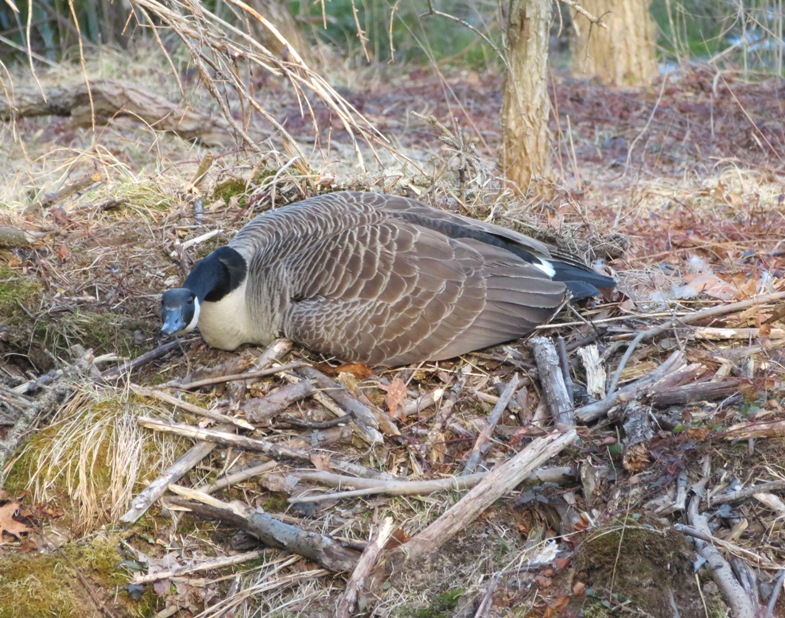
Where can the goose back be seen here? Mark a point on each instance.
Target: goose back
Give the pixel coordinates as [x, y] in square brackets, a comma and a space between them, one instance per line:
[386, 280]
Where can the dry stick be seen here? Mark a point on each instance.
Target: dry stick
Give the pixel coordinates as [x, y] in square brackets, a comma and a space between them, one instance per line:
[499, 481]
[189, 407]
[172, 474]
[367, 487]
[366, 562]
[711, 312]
[205, 565]
[194, 455]
[261, 373]
[363, 416]
[687, 393]
[721, 571]
[553, 387]
[145, 358]
[778, 583]
[251, 444]
[564, 363]
[276, 350]
[271, 531]
[238, 477]
[763, 429]
[483, 443]
[260, 409]
[747, 492]
[593, 411]
[730, 547]
[423, 402]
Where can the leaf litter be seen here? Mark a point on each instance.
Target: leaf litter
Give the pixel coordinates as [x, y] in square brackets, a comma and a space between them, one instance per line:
[689, 208]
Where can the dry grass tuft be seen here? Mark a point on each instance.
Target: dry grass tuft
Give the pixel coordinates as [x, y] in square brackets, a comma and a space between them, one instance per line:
[93, 456]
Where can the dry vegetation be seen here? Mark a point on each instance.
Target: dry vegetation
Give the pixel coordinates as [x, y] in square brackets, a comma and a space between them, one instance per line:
[681, 187]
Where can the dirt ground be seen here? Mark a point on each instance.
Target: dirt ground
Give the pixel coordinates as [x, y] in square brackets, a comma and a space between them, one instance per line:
[678, 188]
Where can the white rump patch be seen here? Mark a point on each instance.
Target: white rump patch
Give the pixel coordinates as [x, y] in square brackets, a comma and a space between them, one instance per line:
[546, 267]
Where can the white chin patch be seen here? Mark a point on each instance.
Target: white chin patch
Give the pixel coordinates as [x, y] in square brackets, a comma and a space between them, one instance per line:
[545, 267]
[195, 320]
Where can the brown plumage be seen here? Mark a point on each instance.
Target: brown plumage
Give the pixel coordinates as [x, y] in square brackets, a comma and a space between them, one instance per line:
[377, 279]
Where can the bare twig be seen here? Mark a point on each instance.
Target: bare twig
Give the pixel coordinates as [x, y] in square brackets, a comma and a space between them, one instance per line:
[262, 446]
[364, 565]
[190, 407]
[482, 444]
[249, 375]
[205, 565]
[705, 314]
[368, 487]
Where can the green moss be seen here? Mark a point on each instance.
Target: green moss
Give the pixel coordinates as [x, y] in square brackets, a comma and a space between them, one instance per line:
[102, 332]
[275, 503]
[635, 562]
[19, 294]
[442, 605]
[47, 584]
[231, 187]
[227, 189]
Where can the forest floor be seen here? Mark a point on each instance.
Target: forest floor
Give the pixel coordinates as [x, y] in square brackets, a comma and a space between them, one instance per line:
[678, 188]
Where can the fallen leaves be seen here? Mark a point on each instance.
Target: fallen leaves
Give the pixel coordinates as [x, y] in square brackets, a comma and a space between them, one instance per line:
[8, 525]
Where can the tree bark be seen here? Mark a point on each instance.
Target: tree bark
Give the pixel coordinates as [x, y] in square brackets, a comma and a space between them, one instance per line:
[525, 102]
[622, 55]
[278, 14]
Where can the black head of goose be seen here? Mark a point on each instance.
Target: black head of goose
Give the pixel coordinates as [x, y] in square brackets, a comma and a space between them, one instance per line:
[376, 279]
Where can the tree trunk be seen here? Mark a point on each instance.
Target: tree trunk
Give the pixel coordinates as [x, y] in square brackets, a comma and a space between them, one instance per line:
[622, 55]
[525, 102]
[278, 14]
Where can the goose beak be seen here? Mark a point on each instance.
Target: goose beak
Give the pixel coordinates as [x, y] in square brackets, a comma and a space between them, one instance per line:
[173, 320]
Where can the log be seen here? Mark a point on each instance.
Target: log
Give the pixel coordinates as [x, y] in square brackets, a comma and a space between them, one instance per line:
[106, 99]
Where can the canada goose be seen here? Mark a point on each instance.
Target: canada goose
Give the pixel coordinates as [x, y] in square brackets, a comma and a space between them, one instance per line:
[376, 279]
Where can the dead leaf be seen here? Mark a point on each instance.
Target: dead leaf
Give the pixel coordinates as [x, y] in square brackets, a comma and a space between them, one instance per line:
[321, 461]
[396, 393]
[7, 522]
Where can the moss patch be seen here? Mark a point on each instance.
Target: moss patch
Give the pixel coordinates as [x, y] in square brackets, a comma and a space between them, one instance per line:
[47, 584]
[639, 564]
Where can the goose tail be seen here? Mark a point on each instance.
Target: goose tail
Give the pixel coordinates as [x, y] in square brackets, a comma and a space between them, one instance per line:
[581, 280]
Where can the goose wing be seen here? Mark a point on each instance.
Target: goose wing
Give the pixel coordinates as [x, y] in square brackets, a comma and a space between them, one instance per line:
[395, 292]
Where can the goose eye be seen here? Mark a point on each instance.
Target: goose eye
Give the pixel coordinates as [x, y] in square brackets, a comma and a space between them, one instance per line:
[190, 301]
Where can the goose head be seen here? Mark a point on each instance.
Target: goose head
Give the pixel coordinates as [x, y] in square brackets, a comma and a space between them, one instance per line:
[210, 280]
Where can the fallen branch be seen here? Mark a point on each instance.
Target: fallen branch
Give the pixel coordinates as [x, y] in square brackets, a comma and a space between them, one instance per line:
[499, 481]
[249, 375]
[764, 429]
[363, 569]
[205, 565]
[554, 388]
[747, 492]
[720, 570]
[628, 392]
[239, 477]
[145, 358]
[250, 444]
[483, 443]
[259, 409]
[272, 532]
[705, 314]
[172, 474]
[190, 407]
[368, 487]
